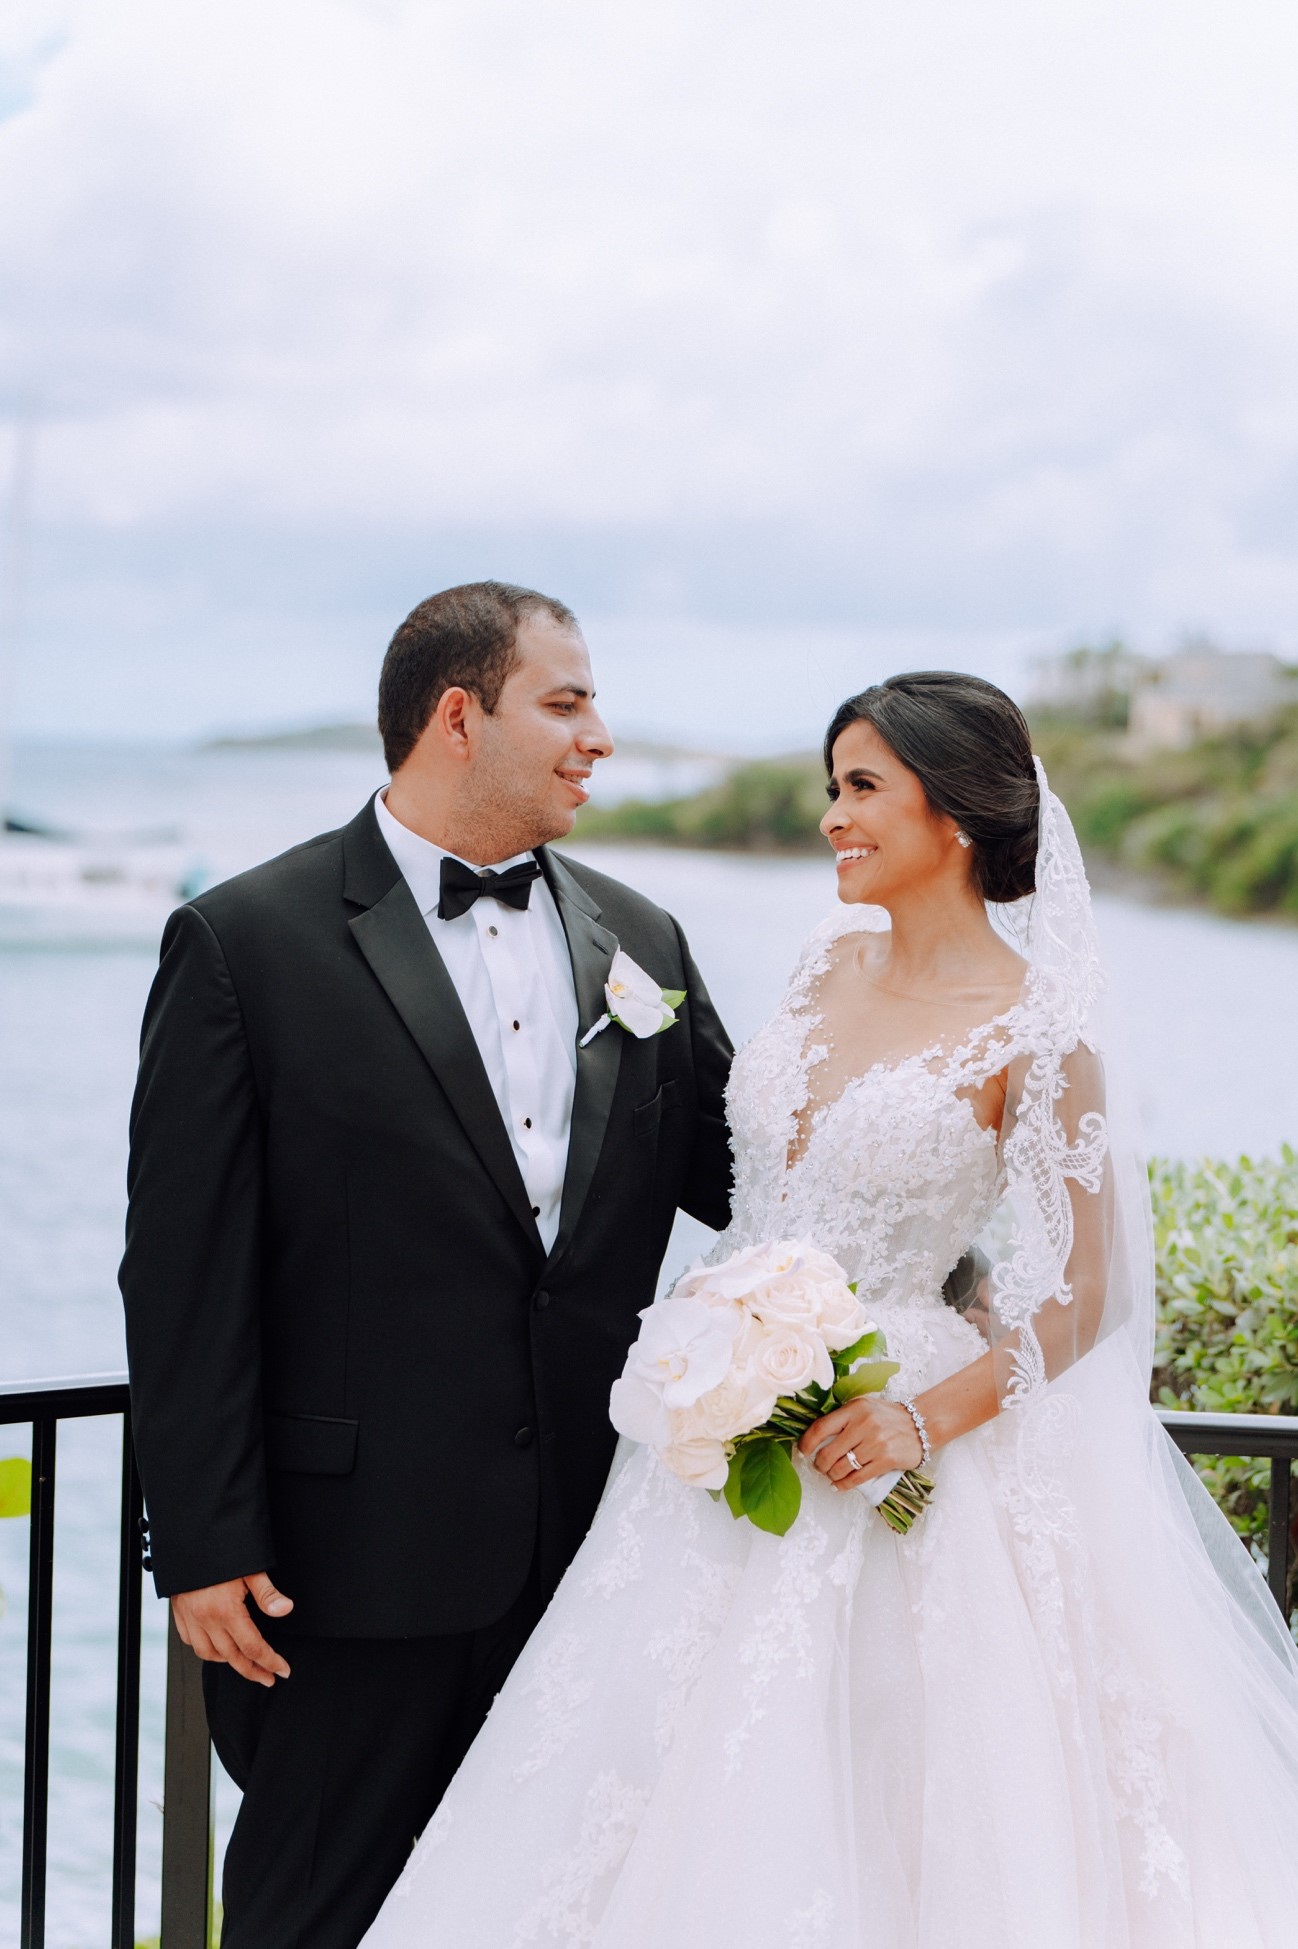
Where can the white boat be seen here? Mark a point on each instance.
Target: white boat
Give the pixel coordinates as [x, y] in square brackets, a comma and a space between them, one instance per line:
[73, 893]
[62, 889]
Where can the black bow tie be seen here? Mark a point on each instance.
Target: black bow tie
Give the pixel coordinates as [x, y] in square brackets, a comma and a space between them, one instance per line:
[462, 885]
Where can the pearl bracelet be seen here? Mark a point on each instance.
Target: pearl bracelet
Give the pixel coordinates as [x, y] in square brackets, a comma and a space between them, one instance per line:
[921, 1429]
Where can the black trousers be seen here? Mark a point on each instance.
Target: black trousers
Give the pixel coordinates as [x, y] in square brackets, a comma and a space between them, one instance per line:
[342, 1766]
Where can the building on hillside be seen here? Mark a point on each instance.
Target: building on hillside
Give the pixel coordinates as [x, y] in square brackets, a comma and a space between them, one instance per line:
[1200, 692]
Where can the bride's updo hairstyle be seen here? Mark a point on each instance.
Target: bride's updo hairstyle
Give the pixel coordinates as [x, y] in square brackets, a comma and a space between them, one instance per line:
[969, 746]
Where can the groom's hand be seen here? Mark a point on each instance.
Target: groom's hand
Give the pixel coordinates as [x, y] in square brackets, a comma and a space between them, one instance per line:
[215, 1623]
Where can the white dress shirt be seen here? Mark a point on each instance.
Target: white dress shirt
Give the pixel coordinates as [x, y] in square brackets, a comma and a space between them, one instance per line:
[513, 976]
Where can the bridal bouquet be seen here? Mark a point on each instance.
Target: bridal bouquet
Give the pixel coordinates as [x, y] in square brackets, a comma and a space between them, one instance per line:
[738, 1361]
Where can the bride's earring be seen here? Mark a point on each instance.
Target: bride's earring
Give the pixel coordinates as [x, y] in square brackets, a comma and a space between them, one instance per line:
[964, 838]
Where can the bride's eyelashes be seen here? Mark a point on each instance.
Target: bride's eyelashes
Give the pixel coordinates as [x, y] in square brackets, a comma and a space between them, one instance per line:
[855, 782]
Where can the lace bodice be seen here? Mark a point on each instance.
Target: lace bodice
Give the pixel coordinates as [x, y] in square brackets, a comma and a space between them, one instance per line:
[893, 1174]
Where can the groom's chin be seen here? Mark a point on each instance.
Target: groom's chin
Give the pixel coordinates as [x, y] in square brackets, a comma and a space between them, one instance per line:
[556, 825]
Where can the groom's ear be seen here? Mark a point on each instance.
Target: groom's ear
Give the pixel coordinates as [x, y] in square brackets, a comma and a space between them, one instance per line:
[449, 731]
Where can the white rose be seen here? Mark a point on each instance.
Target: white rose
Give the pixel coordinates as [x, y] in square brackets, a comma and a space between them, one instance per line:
[842, 1318]
[743, 1401]
[703, 1463]
[684, 1349]
[794, 1300]
[751, 1268]
[821, 1264]
[791, 1357]
[635, 999]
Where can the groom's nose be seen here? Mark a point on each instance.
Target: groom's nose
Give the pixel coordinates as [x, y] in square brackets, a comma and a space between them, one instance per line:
[595, 738]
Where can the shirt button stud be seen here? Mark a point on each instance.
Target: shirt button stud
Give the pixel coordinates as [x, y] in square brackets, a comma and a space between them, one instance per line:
[523, 1439]
[517, 1025]
[493, 931]
[527, 1123]
[536, 1211]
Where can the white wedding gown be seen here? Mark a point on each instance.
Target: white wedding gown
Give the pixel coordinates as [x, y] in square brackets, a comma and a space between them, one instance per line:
[1043, 1720]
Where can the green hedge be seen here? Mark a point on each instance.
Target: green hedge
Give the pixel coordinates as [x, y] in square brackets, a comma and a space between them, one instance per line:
[1226, 1237]
[771, 806]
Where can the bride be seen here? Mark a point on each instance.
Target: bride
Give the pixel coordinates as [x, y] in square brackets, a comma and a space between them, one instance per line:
[1062, 1712]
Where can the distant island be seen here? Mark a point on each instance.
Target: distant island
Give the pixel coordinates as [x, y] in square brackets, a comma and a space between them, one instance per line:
[1183, 771]
[315, 737]
[365, 737]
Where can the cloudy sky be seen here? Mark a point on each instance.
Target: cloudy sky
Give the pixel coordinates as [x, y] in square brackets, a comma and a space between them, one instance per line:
[788, 343]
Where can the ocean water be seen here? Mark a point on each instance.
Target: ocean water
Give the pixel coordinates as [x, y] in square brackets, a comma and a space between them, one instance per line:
[1207, 1005]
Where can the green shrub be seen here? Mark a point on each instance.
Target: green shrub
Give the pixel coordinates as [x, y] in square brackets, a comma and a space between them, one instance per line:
[1226, 1239]
[772, 806]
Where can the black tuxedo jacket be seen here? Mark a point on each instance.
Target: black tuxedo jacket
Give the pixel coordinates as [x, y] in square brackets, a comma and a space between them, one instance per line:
[352, 1361]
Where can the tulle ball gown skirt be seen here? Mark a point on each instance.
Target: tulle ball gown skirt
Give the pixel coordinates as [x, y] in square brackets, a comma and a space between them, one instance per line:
[1039, 1721]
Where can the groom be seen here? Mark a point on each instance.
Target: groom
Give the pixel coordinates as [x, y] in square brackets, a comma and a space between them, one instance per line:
[393, 1213]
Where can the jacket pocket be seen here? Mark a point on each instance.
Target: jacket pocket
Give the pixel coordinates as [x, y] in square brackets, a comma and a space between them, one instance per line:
[646, 1117]
[311, 1444]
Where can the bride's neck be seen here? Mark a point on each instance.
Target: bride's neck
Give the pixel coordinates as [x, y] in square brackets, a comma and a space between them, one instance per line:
[936, 941]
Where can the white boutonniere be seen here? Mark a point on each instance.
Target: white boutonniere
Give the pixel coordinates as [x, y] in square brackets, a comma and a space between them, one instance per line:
[635, 1001]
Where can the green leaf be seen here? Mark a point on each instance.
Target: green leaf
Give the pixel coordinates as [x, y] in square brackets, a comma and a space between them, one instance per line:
[769, 1487]
[15, 1486]
[673, 997]
[732, 1493]
[871, 1378]
[865, 1348]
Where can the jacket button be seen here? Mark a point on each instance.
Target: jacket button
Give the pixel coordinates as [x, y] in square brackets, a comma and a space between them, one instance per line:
[523, 1439]
[542, 1301]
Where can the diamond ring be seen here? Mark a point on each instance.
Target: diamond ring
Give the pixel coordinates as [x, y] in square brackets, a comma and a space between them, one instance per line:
[851, 1456]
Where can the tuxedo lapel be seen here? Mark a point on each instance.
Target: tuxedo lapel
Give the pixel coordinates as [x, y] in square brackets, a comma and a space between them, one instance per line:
[591, 949]
[393, 936]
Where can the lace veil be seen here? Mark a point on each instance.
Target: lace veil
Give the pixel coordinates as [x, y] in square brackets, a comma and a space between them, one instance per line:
[1062, 1283]
[1067, 1261]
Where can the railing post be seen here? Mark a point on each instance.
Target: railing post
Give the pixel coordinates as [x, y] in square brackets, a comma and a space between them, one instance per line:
[1278, 1527]
[186, 1804]
[36, 1763]
[126, 1771]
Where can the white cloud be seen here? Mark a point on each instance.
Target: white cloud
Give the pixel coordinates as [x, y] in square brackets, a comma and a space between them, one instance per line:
[924, 316]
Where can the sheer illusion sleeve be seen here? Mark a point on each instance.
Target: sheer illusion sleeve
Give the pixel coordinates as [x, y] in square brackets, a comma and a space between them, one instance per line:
[1053, 1284]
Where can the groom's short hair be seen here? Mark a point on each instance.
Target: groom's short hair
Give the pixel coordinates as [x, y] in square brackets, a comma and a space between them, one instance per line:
[463, 638]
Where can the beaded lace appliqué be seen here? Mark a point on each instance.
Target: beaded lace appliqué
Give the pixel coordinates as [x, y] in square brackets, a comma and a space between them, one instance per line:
[611, 1814]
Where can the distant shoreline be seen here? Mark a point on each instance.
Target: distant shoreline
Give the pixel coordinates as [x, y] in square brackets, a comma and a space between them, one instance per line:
[365, 737]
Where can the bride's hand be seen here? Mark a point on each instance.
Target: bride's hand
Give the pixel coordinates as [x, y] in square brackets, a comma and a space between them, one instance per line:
[880, 1434]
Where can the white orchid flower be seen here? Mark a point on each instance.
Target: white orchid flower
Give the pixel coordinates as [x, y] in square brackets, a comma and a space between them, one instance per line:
[683, 1350]
[635, 1408]
[635, 1001]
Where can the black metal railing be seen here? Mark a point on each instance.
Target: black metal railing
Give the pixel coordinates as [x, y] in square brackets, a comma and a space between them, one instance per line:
[1251, 1437]
[187, 1766]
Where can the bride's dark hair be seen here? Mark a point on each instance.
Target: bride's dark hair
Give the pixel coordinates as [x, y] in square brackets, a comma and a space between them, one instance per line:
[969, 746]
